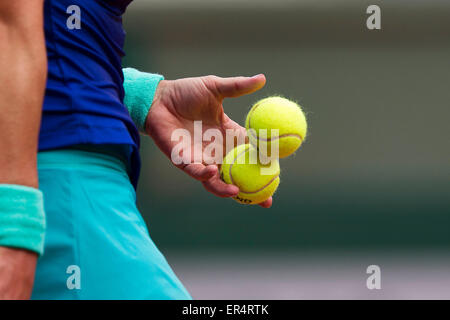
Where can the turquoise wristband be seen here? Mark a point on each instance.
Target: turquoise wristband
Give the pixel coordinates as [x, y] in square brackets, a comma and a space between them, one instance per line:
[22, 218]
[140, 88]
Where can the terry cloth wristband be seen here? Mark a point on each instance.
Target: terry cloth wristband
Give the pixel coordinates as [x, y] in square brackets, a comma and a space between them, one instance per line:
[22, 218]
[140, 89]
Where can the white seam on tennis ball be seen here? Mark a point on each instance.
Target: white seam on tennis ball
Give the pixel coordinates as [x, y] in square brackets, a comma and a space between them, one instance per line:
[265, 186]
[248, 192]
[275, 138]
[253, 133]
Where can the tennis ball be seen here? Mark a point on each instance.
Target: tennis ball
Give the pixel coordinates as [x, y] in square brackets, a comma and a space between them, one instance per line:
[276, 113]
[256, 182]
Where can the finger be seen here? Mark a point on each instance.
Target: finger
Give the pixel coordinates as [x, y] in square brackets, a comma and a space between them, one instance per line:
[240, 133]
[201, 172]
[238, 86]
[266, 204]
[219, 188]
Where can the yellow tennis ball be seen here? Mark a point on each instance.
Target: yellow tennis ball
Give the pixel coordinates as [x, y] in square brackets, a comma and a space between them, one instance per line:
[256, 182]
[276, 113]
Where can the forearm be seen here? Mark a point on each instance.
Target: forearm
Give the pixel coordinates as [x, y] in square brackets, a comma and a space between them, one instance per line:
[23, 76]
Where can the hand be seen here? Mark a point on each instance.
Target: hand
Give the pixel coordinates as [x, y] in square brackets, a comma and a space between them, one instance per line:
[177, 104]
[17, 269]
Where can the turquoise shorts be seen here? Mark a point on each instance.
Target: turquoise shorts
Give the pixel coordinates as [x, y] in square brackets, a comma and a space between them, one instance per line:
[97, 245]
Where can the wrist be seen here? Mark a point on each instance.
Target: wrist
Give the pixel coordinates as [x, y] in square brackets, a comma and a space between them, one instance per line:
[22, 218]
[158, 101]
[17, 269]
[140, 88]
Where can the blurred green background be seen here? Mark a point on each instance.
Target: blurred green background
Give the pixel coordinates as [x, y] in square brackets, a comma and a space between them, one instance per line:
[369, 186]
[374, 171]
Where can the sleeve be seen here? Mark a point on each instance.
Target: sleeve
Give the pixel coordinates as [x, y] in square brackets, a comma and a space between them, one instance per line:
[140, 88]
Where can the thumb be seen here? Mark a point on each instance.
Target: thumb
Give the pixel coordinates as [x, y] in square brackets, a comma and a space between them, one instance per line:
[238, 86]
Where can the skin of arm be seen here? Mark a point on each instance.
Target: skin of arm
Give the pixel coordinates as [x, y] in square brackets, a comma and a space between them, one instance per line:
[178, 103]
[23, 70]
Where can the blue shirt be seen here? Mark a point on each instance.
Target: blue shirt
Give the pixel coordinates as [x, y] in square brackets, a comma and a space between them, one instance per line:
[84, 96]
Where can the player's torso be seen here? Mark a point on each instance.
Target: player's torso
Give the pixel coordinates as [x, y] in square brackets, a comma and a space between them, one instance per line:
[84, 96]
[85, 40]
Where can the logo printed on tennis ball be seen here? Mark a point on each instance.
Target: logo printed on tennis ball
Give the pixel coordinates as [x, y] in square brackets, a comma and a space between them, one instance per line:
[276, 113]
[256, 182]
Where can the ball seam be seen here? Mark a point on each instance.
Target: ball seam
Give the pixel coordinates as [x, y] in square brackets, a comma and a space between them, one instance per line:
[231, 175]
[253, 133]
